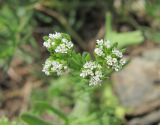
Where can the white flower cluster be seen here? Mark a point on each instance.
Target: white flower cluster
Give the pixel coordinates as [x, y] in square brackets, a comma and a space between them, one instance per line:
[114, 63]
[106, 56]
[99, 51]
[55, 35]
[100, 47]
[114, 59]
[46, 67]
[53, 66]
[63, 47]
[102, 43]
[117, 53]
[92, 71]
[49, 43]
[58, 68]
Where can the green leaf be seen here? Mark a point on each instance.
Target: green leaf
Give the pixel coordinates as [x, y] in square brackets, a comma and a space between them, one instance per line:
[66, 36]
[126, 38]
[41, 106]
[45, 38]
[75, 62]
[33, 120]
[86, 56]
[123, 39]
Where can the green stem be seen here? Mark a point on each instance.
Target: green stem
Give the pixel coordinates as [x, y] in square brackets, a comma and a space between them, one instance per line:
[108, 25]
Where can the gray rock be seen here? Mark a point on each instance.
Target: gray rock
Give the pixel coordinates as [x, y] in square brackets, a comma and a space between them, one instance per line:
[138, 84]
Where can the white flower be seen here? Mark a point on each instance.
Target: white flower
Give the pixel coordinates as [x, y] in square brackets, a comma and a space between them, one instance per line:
[53, 66]
[117, 53]
[90, 65]
[46, 67]
[109, 60]
[46, 71]
[86, 72]
[47, 44]
[51, 36]
[107, 44]
[69, 45]
[58, 67]
[61, 48]
[95, 80]
[55, 36]
[122, 61]
[100, 42]
[64, 40]
[64, 46]
[98, 73]
[92, 71]
[114, 60]
[99, 51]
[116, 67]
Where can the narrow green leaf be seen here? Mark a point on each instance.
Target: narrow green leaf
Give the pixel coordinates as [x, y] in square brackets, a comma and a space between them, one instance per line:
[33, 120]
[123, 39]
[45, 106]
[45, 38]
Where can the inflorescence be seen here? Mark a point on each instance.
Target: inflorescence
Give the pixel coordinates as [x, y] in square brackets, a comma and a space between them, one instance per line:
[107, 58]
[109, 54]
[52, 66]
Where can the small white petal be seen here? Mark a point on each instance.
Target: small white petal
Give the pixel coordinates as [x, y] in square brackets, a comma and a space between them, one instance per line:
[122, 61]
[90, 65]
[99, 51]
[95, 80]
[51, 36]
[107, 44]
[117, 53]
[64, 40]
[61, 49]
[46, 44]
[69, 45]
[109, 60]
[114, 60]
[100, 42]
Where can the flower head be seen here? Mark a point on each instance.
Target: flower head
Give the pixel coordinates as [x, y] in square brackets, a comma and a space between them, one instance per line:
[55, 36]
[117, 53]
[99, 51]
[46, 67]
[122, 61]
[92, 71]
[95, 80]
[100, 42]
[86, 73]
[58, 67]
[61, 48]
[58, 42]
[52, 66]
[90, 65]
